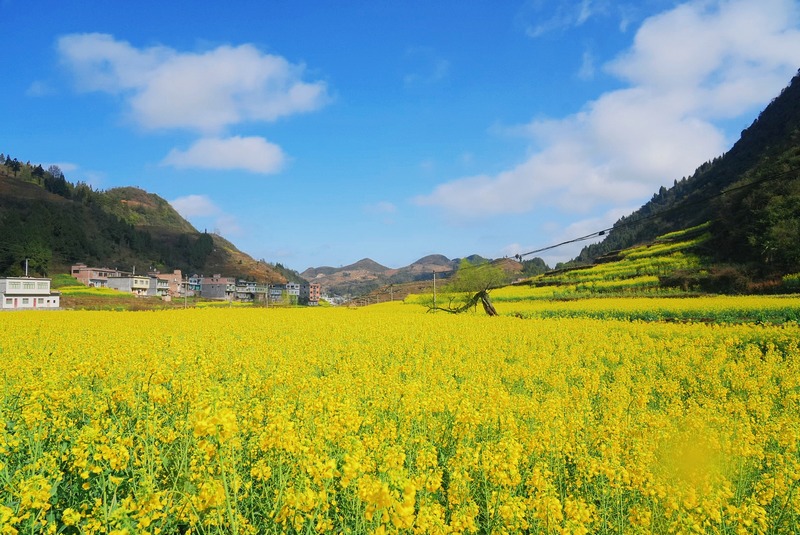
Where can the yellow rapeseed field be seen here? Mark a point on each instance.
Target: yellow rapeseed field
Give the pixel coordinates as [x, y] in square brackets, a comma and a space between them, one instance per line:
[390, 420]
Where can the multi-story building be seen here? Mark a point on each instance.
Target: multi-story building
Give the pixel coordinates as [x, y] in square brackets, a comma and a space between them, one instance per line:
[174, 282]
[293, 292]
[27, 293]
[314, 293]
[230, 288]
[261, 291]
[276, 293]
[195, 284]
[158, 288]
[138, 285]
[93, 276]
[246, 290]
[218, 287]
[166, 285]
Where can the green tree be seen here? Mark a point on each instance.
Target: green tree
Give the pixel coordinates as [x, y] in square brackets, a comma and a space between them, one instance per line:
[39, 256]
[38, 173]
[58, 184]
[200, 250]
[14, 165]
[469, 286]
[471, 278]
[534, 266]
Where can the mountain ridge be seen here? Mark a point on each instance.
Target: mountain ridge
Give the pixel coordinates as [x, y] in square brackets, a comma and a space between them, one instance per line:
[53, 224]
[755, 227]
[364, 276]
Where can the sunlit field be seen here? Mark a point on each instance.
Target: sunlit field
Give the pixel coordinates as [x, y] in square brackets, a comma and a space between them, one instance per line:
[388, 419]
[775, 309]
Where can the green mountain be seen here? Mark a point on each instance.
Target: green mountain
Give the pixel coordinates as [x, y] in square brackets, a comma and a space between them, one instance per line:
[53, 224]
[750, 195]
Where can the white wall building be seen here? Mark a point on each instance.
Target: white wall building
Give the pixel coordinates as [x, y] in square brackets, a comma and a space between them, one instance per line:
[136, 284]
[27, 293]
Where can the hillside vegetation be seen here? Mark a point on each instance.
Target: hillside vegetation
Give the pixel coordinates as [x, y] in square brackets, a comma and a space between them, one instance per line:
[750, 195]
[642, 283]
[54, 223]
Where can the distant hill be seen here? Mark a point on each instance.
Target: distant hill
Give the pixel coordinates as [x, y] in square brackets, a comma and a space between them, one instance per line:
[365, 265]
[399, 290]
[367, 276]
[53, 223]
[751, 196]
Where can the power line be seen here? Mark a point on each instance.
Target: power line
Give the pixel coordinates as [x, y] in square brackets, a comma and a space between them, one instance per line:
[662, 213]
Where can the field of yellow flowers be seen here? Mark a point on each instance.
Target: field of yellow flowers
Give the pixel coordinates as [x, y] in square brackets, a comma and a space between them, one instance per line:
[390, 420]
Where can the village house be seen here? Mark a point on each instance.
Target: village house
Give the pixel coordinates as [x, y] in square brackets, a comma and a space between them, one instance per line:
[158, 288]
[276, 293]
[169, 285]
[314, 293]
[218, 287]
[293, 292]
[138, 285]
[93, 277]
[166, 285]
[248, 290]
[27, 293]
[195, 282]
[230, 288]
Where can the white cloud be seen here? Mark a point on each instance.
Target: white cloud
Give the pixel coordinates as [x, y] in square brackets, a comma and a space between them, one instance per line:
[66, 167]
[383, 210]
[587, 69]
[204, 213]
[728, 57]
[96, 179]
[227, 225]
[382, 207]
[428, 165]
[573, 231]
[565, 14]
[39, 89]
[195, 206]
[584, 12]
[725, 56]
[253, 154]
[428, 67]
[74, 173]
[205, 92]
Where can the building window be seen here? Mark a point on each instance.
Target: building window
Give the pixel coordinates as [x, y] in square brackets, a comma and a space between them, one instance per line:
[28, 285]
[40, 300]
[14, 285]
[9, 301]
[24, 300]
[41, 285]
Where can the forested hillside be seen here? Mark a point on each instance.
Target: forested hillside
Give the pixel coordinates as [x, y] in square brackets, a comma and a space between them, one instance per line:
[54, 223]
[751, 196]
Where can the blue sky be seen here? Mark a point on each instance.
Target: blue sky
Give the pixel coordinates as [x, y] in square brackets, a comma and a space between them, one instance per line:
[319, 133]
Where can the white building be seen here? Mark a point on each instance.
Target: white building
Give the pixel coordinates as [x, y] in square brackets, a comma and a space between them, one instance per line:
[27, 293]
[136, 284]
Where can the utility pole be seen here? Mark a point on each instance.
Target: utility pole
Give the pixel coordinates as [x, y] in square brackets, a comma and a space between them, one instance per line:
[434, 290]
